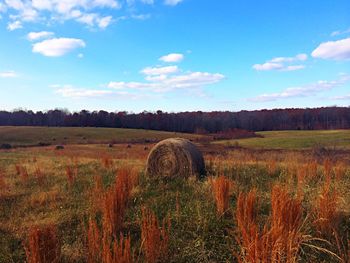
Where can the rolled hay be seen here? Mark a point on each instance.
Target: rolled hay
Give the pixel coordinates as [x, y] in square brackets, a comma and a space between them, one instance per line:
[175, 157]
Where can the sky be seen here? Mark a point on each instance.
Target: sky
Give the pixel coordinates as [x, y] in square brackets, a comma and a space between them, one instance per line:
[174, 55]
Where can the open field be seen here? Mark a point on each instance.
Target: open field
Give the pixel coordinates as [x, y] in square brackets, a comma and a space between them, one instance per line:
[31, 136]
[97, 205]
[296, 140]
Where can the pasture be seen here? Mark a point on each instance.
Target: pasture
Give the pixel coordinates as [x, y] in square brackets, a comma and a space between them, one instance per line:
[293, 140]
[94, 203]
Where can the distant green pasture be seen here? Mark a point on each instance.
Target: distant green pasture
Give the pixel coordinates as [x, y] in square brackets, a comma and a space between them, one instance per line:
[295, 139]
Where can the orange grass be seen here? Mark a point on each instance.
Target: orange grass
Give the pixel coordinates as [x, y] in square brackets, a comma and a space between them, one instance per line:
[281, 237]
[120, 252]
[221, 189]
[42, 245]
[115, 201]
[107, 162]
[154, 239]
[103, 245]
[328, 219]
[71, 173]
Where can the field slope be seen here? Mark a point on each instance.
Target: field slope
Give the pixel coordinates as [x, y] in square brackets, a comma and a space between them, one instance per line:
[30, 136]
[295, 139]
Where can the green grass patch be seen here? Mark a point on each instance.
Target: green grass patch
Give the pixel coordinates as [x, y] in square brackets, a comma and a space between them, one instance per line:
[295, 140]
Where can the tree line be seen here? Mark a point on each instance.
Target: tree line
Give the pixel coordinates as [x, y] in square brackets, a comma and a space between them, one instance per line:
[198, 121]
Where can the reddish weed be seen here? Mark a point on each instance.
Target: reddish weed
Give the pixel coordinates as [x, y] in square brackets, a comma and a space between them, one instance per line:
[42, 245]
[154, 239]
[221, 189]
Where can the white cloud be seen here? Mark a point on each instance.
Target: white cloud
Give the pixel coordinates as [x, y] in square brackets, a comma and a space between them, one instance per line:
[336, 50]
[42, 4]
[80, 55]
[14, 25]
[88, 19]
[60, 10]
[8, 74]
[164, 83]
[32, 36]
[57, 47]
[106, 3]
[303, 91]
[15, 4]
[157, 81]
[172, 2]
[173, 57]
[267, 66]
[70, 91]
[160, 70]
[93, 19]
[282, 63]
[104, 22]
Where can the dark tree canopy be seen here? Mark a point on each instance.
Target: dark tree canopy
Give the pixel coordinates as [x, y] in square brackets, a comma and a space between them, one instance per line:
[210, 122]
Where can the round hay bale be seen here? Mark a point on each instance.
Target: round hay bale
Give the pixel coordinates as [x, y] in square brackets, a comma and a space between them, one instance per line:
[175, 157]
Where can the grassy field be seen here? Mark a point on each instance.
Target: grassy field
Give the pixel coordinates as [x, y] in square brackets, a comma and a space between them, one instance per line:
[29, 136]
[92, 203]
[296, 140]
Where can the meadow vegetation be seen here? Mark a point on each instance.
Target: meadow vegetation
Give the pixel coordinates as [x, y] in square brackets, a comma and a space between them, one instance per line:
[94, 203]
[291, 140]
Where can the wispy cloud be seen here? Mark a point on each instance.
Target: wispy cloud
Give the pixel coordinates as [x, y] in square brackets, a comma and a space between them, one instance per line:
[166, 83]
[8, 74]
[160, 70]
[282, 63]
[32, 36]
[344, 97]
[157, 80]
[70, 91]
[57, 47]
[11, 26]
[303, 91]
[334, 50]
[83, 11]
[89, 12]
[339, 32]
[172, 2]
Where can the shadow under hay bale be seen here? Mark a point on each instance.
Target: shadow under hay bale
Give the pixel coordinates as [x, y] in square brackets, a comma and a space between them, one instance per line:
[175, 157]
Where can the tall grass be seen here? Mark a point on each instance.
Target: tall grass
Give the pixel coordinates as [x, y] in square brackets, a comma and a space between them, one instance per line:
[154, 239]
[102, 245]
[42, 245]
[280, 239]
[221, 187]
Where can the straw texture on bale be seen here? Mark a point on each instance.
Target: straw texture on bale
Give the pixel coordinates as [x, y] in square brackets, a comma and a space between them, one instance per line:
[175, 157]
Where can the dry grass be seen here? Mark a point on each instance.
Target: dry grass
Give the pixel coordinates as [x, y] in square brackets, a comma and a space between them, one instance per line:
[281, 237]
[71, 174]
[154, 239]
[42, 245]
[102, 245]
[271, 225]
[116, 199]
[221, 187]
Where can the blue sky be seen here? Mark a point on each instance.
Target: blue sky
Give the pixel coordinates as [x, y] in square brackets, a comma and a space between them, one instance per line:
[174, 55]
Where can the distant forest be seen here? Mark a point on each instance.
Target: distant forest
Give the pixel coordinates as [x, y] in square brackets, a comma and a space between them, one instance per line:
[200, 122]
